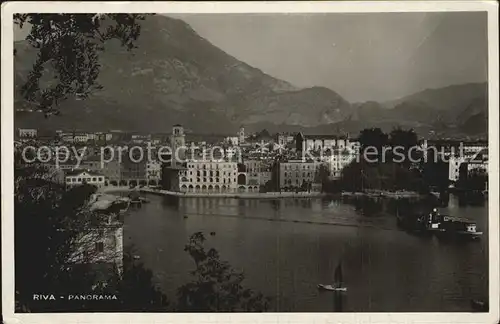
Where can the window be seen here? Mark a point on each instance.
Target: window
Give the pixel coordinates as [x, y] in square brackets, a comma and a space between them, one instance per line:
[79, 179]
[93, 179]
[99, 246]
[100, 178]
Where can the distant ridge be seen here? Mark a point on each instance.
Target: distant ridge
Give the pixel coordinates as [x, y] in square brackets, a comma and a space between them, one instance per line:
[176, 76]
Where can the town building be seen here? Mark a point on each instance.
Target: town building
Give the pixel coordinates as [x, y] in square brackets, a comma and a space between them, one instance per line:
[479, 161]
[153, 172]
[470, 160]
[475, 146]
[339, 159]
[100, 247]
[283, 139]
[79, 177]
[110, 169]
[209, 176]
[140, 138]
[294, 173]
[75, 137]
[323, 142]
[232, 140]
[133, 168]
[27, 133]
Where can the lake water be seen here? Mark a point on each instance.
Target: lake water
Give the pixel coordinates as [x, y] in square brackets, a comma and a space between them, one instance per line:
[287, 247]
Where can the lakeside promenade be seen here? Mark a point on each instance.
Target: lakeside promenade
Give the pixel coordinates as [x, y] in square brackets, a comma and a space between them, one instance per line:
[242, 195]
[260, 195]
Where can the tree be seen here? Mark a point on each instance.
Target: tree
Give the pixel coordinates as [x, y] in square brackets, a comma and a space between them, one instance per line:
[69, 46]
[322, 176]
[216, 287]
[48, 222]
[402, 140]
[373, 138]
[351, 178]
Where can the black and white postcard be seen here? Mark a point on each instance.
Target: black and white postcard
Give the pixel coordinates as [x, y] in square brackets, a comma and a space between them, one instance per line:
[255, 162]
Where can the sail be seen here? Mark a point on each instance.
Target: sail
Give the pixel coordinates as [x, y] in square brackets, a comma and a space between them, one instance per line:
[338, 275]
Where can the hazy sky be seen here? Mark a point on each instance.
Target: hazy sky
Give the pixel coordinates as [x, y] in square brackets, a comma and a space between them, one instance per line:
[375, 56]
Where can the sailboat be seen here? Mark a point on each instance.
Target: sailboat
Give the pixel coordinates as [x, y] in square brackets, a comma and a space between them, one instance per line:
[337, 286]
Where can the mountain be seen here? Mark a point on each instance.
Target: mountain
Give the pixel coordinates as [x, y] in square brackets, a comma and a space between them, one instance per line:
[176, 76]
[453, 97]
[459, 108]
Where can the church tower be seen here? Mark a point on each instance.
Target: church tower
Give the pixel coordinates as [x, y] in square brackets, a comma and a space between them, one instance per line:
[241, 135]
[177, 142]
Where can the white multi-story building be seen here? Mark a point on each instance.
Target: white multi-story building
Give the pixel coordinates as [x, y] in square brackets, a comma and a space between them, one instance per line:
[27, 132]
[75, 137]
[74, 178]
[339, 159]
[479, 161]
[209, 176]
[474, 147]
[454, 167]
[232, 140]
[474, 159]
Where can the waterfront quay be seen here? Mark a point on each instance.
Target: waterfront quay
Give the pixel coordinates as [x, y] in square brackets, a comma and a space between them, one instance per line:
[247, 195]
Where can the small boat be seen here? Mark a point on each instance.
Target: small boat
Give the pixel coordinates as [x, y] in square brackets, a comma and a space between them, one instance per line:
[331, 288]
[337, 279]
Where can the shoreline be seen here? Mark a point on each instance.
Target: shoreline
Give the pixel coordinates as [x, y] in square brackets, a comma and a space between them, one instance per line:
[255, 195]
[261, 195]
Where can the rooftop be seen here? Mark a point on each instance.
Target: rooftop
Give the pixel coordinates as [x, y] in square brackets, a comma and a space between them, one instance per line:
[80, 171]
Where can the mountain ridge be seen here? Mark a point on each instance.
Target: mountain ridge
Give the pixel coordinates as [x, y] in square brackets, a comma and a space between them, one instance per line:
[177, 76]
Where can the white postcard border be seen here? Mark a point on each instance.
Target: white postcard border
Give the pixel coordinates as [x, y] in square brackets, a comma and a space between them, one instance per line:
[9, 8]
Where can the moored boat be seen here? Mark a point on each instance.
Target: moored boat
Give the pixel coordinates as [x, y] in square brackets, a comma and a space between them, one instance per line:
[459, 228]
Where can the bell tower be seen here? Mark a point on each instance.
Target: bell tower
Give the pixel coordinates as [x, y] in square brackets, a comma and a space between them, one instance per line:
[241, 135]
[177, 141]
